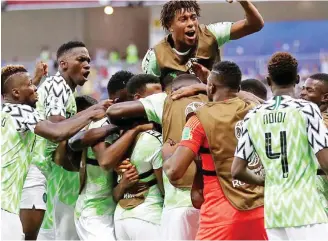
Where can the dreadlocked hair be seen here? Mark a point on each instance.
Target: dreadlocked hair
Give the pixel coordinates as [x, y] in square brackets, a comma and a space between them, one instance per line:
[282, 68]
[172, 7]
[7, 72]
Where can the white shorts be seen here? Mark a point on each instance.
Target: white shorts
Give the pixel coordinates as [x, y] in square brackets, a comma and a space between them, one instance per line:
[64, 221]
[11, 226]
[136, 229]
[34, 197]
[308, 232]
[180, 223]
[96, 227]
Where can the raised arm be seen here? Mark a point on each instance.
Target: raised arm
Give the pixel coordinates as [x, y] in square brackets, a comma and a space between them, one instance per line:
[41, 69]
[125, 110]
[253, 22]
[65, 129]
[91, 137]
[110, 156]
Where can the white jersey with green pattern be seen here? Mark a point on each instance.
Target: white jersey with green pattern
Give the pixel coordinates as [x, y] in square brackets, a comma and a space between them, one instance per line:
[57, 98]
[17, 142]
[322, 185]
[220, 30]
[286, 133]
[96, 199]
[146, 155]
[174, 197]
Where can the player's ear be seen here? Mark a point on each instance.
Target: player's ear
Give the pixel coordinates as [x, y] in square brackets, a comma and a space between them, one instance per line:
[15, 92]
[324, 98]
[269, 80]
[63, 64]
[297, 79]
[136, 96]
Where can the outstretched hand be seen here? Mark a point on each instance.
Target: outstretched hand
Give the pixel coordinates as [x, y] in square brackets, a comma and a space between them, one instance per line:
[201, 72]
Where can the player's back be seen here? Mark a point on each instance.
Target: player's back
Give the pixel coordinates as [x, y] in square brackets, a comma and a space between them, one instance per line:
[286, 134]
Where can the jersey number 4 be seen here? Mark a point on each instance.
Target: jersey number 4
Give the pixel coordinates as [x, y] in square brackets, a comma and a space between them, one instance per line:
[283, 151]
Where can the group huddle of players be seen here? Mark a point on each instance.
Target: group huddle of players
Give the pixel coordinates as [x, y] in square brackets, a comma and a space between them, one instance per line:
[184, 151]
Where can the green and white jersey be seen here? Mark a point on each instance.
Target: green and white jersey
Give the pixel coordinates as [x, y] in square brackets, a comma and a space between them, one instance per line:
[96, 199]
[322, 185]
[286, 133]
[62, 186]
[57, 98]
[174, 197]
[17, 142]
[220, 30]
[146, 155]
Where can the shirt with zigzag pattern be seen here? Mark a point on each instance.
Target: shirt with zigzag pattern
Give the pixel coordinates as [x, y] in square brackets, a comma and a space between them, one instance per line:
[57, 98]
[286, 133]
[17, 142]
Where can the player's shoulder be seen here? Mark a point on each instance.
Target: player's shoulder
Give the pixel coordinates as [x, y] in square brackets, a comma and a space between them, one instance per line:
[148, 60]
[18, 109]
[154, 135]
[309, 109]
[55, 83]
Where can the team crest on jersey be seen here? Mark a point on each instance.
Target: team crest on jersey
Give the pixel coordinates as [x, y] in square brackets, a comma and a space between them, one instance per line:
[238, 129]
[186, 134]
[192, 107]
[189, 65]
[44, 197]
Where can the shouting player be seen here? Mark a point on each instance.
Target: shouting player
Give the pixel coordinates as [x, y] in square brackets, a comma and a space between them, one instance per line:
[19, 122]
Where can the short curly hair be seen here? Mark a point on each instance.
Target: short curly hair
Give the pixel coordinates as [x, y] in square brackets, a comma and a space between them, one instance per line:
[323, 77]
[7, 72]
[230, 72]
[84, 101]
[118, 81]
[64, 48]
[172, 7]
[137, 84]
[282, 68]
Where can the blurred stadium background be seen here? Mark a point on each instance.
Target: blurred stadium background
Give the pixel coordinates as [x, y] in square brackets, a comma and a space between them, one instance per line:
[118, 34]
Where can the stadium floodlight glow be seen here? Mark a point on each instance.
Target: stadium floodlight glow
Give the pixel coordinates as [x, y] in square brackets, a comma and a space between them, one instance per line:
[108, 10]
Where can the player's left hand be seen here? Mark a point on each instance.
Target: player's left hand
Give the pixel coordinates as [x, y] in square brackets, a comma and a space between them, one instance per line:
[168, 149]
[123, 166]
[184, 92]
[201, 72]
[104, 104]
[41, 69]
[247, 96]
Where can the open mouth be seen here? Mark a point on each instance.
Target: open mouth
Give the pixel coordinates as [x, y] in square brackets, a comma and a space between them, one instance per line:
[86, 74]
[191, 34]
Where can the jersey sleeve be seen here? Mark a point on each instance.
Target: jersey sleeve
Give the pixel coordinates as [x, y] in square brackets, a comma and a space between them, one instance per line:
[154, 105]
[149, 63]
[26, 118]
[57, 98]
[221, 31]
[245, 148]
[193, 135]
[316, 129]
